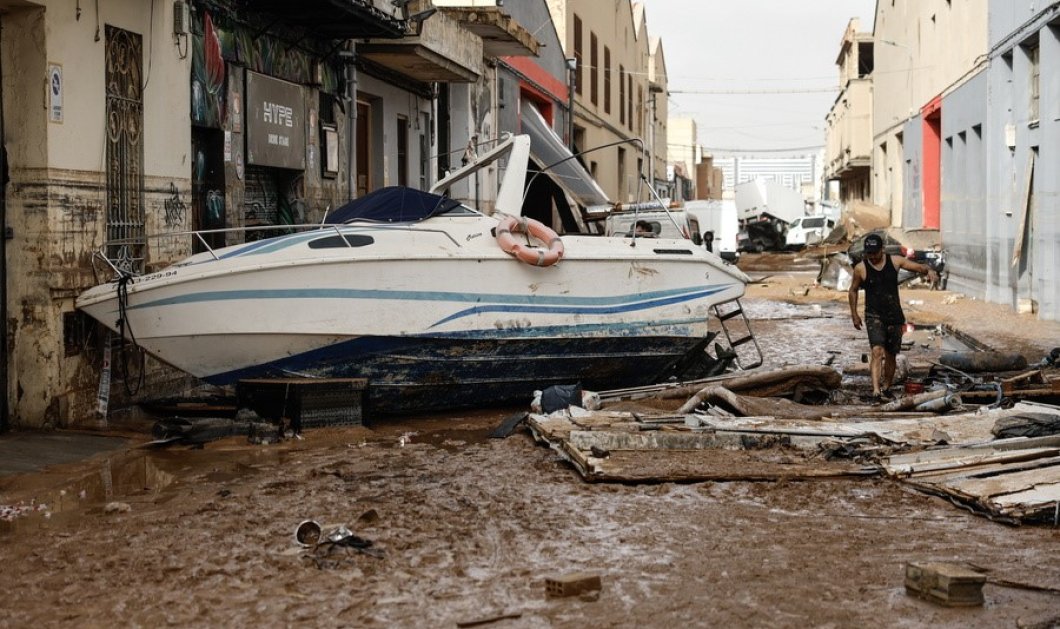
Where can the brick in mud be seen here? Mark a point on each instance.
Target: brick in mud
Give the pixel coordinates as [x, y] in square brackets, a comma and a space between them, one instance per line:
[952, 585]
[572, 584]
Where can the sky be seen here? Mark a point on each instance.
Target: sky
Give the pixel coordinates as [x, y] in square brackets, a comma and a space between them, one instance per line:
[768, 65]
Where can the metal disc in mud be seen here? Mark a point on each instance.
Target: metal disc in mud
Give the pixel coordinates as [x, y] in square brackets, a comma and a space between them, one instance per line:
[307, 533]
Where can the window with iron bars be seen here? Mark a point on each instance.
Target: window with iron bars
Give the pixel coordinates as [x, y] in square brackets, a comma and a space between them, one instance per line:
[125, 239]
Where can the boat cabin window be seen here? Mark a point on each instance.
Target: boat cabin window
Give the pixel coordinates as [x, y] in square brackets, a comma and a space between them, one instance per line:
[335, 242]
[460, 210]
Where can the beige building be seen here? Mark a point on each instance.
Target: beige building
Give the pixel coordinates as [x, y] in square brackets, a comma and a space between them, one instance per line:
[848, 145]
[618, 77]
[683, 155]
[918, 58]
[121, 120]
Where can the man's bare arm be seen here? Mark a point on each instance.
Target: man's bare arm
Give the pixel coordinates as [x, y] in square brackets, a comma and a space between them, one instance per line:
[852, 294]
[902, 262]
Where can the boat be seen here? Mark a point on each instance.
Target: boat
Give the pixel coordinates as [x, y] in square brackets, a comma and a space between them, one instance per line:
[436, 304]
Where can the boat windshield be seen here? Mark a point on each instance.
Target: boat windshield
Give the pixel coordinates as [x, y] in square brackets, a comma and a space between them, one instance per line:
[393, 204]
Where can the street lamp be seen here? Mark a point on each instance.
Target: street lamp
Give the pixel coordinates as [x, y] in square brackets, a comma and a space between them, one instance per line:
[652, 90]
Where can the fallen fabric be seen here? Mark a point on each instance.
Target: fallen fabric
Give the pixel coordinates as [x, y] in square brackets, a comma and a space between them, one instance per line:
[1027, 425]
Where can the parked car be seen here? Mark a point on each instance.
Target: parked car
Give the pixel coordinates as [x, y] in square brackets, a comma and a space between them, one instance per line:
[856, 250]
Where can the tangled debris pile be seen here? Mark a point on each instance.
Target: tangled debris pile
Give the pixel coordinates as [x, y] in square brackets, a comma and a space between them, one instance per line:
[1001, 462]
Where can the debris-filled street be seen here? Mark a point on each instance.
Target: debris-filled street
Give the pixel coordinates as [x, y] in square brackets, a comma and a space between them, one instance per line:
[446, 526]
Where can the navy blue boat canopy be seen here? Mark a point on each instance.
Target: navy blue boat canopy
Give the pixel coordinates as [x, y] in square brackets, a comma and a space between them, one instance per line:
[393, 204]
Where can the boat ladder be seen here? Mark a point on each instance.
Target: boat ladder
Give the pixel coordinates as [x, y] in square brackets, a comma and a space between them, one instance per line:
[726, 312]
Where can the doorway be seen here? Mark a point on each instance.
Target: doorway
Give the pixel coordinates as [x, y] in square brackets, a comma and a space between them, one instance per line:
[207, 186]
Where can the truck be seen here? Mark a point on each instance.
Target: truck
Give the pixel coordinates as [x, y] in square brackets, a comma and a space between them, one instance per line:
[765, 209]
[718, 224]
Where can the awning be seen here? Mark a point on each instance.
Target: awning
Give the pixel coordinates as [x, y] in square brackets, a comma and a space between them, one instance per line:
[339, 19]
[559, 163]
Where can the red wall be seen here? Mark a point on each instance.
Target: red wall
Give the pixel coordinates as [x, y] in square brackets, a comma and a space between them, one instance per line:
[931, 114]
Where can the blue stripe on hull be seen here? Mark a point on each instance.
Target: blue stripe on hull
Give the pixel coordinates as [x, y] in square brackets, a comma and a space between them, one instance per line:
[414, 374]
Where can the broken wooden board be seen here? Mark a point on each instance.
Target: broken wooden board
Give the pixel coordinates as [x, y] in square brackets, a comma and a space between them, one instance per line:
[1013, 480]
[772, 383]
[612, 447]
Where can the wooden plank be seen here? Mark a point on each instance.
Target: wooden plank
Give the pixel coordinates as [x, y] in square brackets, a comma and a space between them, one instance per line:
[1025, 209]
[968, 460]
[980, 471]
[1032, 501]
[1002, 484]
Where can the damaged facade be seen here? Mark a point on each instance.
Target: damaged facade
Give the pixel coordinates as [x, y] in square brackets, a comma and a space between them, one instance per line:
[215, 117]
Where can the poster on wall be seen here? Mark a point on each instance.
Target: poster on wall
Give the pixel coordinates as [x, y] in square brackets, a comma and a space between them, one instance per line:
[275, 123]
[55, 92]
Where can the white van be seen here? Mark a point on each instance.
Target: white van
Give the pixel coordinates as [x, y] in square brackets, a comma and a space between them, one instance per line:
[719, 225]
[808, 230]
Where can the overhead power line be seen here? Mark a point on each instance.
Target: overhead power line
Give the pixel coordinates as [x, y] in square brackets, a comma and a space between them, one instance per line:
[794, 149]
[811, 90]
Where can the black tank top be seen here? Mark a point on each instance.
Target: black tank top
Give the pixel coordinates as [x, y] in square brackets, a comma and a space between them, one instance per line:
[881, 293]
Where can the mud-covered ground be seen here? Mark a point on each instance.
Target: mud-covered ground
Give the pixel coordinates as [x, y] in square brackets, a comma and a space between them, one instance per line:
[469, 527]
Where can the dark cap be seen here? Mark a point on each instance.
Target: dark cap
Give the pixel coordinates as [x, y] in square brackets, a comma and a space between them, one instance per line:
[873, 243]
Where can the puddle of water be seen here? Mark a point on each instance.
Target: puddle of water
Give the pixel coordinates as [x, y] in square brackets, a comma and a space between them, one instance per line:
[128, 476]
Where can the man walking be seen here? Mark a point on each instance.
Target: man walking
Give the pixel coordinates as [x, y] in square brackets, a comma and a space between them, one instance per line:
[884, 319]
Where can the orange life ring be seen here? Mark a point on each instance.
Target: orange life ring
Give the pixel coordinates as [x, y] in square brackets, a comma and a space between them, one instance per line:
[537, 256]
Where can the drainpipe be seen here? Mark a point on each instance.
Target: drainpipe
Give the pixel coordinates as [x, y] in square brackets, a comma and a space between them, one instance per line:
[349, 57]
[572, 66]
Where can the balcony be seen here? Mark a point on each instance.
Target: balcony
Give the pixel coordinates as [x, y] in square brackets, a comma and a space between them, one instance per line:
[436, 48]
[339, 19]
[501, 35]
[850, 130]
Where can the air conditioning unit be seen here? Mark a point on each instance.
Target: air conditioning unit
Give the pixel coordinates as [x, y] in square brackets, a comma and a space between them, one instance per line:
[181, 17]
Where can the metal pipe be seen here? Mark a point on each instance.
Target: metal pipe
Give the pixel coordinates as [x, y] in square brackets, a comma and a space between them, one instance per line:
[350, 57]
[572, 67]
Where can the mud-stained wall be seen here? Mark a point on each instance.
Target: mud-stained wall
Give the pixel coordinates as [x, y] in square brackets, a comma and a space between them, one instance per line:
[56, 196]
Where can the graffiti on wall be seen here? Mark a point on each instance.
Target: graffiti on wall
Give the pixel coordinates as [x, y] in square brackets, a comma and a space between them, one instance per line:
[175, 210]
[207, 76]
[217, 40]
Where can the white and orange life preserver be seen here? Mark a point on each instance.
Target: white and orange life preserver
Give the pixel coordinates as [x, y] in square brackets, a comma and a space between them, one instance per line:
[537, 256]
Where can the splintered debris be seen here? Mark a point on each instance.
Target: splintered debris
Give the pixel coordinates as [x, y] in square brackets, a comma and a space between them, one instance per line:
[628, 447]
[1012, 480]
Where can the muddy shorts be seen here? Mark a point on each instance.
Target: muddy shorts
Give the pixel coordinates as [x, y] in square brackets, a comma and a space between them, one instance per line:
[886, 335]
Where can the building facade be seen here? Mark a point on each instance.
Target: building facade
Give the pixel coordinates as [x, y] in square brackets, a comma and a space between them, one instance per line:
[201, 116]
[963, 125]
[848, 143]
[1013, 227]
[922, 50]
[618, 93]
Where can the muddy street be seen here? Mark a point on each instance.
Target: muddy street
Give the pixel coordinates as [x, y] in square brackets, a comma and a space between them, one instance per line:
[466, 528]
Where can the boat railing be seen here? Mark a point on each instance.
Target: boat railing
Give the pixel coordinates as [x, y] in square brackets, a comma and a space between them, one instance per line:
[121, 265]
